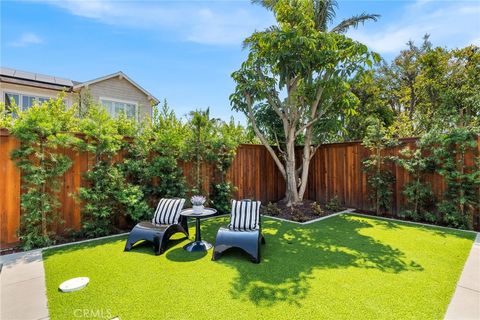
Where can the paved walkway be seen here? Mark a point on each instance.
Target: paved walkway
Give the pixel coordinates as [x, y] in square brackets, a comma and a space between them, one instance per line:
[465, 304]
[22, 287]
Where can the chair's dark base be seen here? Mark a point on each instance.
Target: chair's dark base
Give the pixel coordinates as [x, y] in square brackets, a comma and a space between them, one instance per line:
[196, 246]
[248, 241]
[158, 235]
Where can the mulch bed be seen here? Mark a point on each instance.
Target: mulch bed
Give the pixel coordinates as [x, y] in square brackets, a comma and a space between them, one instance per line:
[308, 210]
[9, 251]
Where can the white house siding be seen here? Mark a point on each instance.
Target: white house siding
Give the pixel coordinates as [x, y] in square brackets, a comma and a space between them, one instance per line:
[122, 90]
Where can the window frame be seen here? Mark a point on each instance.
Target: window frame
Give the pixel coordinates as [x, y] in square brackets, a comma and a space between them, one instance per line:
[21, 94]
[125, 102]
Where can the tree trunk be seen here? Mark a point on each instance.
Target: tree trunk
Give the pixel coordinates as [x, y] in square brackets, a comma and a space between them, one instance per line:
[291, 172]
[306, 162]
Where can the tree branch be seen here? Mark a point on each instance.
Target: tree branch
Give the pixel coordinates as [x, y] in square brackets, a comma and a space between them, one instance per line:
[318, 97]
[275, 104]
[278, 144]
[262, 137]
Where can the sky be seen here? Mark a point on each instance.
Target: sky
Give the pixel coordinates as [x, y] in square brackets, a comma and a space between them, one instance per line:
[185, 51]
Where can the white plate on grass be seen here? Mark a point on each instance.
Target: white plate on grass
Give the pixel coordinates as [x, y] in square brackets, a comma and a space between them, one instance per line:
[74, 284]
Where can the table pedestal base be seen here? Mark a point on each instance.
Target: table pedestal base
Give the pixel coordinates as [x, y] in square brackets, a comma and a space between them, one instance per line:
[196, 246]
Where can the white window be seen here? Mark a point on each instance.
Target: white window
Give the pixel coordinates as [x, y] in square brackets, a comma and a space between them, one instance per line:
[23, 101]
[115, 108]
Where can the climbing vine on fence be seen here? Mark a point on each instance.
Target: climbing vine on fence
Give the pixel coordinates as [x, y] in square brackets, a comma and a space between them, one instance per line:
[419, 194]
[380, 177]
[225, 143]
[152, 158]
[107, 194]
[461, 197]
[43, 130]
[198, 146]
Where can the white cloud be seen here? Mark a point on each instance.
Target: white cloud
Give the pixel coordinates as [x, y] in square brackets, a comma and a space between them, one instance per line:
[26, 39]
[450, 24]
[215, 28]
[218, 23]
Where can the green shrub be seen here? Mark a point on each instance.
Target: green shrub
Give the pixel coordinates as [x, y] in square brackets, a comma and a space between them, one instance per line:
[221, 196]
[298, 215]
[334, 204]
[317, 209]
[107, 194]
[272, 209]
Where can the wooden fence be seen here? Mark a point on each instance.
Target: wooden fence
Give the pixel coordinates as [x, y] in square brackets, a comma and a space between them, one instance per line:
[336, 169]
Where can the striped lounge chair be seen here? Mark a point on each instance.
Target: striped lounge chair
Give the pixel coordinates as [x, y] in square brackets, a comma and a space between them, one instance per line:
[166, 222]
[243, 232]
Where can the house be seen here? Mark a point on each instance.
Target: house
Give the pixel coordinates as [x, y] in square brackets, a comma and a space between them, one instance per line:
[117, 92]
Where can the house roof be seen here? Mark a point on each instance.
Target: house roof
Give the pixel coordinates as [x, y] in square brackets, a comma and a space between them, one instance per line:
[34, 79]
[56, 83]
[114, 75]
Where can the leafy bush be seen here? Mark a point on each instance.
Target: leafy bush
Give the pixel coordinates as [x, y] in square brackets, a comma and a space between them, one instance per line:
[272, 209]
[107, 195]
[334, 204]
[317, 209]
[221, 196]
[152, 159]
[7, 118]
[298, 215]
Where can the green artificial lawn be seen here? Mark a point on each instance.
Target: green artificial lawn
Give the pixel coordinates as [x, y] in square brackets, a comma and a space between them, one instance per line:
[344, 267]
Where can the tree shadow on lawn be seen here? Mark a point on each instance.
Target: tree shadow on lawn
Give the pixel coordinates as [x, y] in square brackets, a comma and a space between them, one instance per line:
[292, 252]
[439, 230]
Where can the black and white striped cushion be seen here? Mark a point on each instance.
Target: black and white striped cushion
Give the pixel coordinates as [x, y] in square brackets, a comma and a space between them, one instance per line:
[245, 215]
[168, 211]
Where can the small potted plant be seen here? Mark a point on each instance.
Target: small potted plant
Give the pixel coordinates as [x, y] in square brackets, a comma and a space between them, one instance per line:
[197, 203]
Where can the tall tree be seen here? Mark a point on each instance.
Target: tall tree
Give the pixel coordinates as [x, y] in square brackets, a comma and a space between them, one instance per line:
[372, 104]
[324, 13]
[297, 72]
[428, 87]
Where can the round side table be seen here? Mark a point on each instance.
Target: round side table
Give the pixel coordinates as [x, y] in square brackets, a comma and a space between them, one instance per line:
[198, 244]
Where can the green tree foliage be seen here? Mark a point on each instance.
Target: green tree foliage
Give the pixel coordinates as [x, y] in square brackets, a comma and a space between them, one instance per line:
[425, 87]
[43, 130]
[380, 177]
[366, 86]
[293, 86]
[108, 194]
